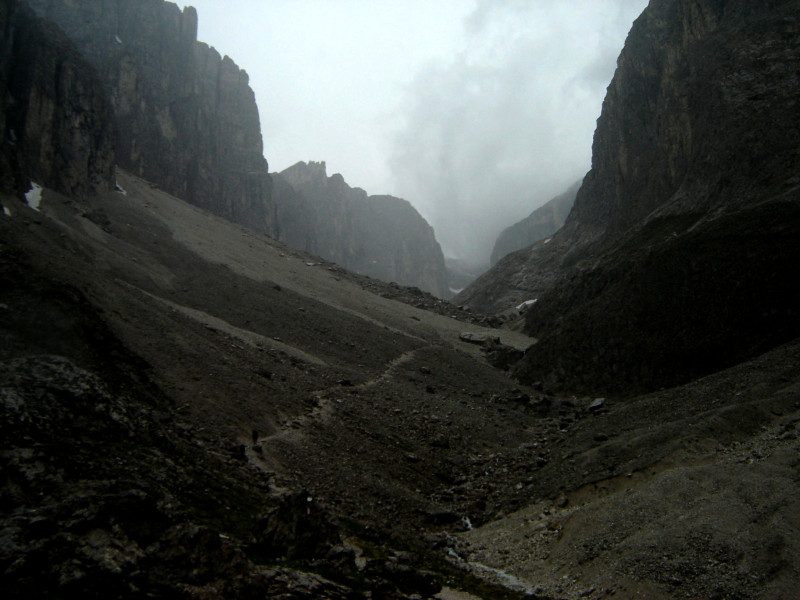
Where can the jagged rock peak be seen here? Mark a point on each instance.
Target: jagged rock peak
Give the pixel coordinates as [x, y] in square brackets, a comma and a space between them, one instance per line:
[307, 174]
[186, 117]
[380, 236]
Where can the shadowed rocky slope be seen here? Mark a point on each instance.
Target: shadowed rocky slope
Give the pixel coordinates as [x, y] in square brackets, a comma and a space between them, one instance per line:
[171, 383]
[166, 376]
[185, 118]
[679, 255]
[379, 236]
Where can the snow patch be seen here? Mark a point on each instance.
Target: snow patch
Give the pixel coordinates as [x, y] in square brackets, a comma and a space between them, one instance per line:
[119, 188]
[526, 305]
[548, 240]
[34, 196]
[119, 41]
[506, 579]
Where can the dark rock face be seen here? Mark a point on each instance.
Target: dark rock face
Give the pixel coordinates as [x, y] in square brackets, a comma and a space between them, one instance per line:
[186, 118]
[541, 223]
[296, 529]
[380, 236]
[406, 579]
[679, 257]
[55, 120]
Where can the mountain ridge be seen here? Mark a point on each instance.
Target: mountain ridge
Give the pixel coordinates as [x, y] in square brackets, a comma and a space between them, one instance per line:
[377, 235]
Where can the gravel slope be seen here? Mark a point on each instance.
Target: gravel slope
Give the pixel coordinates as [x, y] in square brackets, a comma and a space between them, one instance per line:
[289, 373]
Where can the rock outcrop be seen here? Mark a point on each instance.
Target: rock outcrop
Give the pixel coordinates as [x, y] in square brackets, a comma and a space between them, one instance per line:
[54, 117]
[679, 256]
[540, 224]
[186, 118]
[380, 236]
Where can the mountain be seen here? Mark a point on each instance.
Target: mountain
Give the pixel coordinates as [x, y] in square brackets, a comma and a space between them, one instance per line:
[380, 236]
[678, 258]
[185, 118]
[541, 223]
[68, 146]
[191, 409]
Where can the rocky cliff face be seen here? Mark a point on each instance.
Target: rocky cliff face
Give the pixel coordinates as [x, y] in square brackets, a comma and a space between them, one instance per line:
[540, 224]
[679, 256]
[186, 118]
[55, 120]
[380, 236]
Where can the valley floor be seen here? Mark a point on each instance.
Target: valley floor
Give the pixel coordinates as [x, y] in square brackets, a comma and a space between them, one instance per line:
[234, 369]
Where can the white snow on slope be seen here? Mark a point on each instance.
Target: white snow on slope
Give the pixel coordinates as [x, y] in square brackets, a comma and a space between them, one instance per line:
[34, 196]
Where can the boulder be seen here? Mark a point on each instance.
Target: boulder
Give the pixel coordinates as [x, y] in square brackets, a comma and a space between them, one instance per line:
[478, 338]
[297, 529]
[404, 577]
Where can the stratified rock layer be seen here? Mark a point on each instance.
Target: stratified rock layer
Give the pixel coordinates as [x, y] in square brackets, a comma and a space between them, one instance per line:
[186, 118]
[679, 257]
[54, 117]
[380, 236]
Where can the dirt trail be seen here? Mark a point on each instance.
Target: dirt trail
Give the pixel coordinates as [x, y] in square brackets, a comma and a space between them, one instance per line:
[326, 400]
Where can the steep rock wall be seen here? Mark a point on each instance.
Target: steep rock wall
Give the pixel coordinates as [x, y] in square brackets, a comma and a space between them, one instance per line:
[380, 236]
[186, 118]
[679, 256]
[55, 120]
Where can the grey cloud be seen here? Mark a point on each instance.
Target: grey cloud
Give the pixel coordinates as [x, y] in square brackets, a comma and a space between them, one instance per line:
[508, 123]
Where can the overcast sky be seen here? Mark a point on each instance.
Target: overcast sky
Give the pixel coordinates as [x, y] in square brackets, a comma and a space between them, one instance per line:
[475, 111]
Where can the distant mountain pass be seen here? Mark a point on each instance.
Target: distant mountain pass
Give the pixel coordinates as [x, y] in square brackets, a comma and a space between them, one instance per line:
[541, 223]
